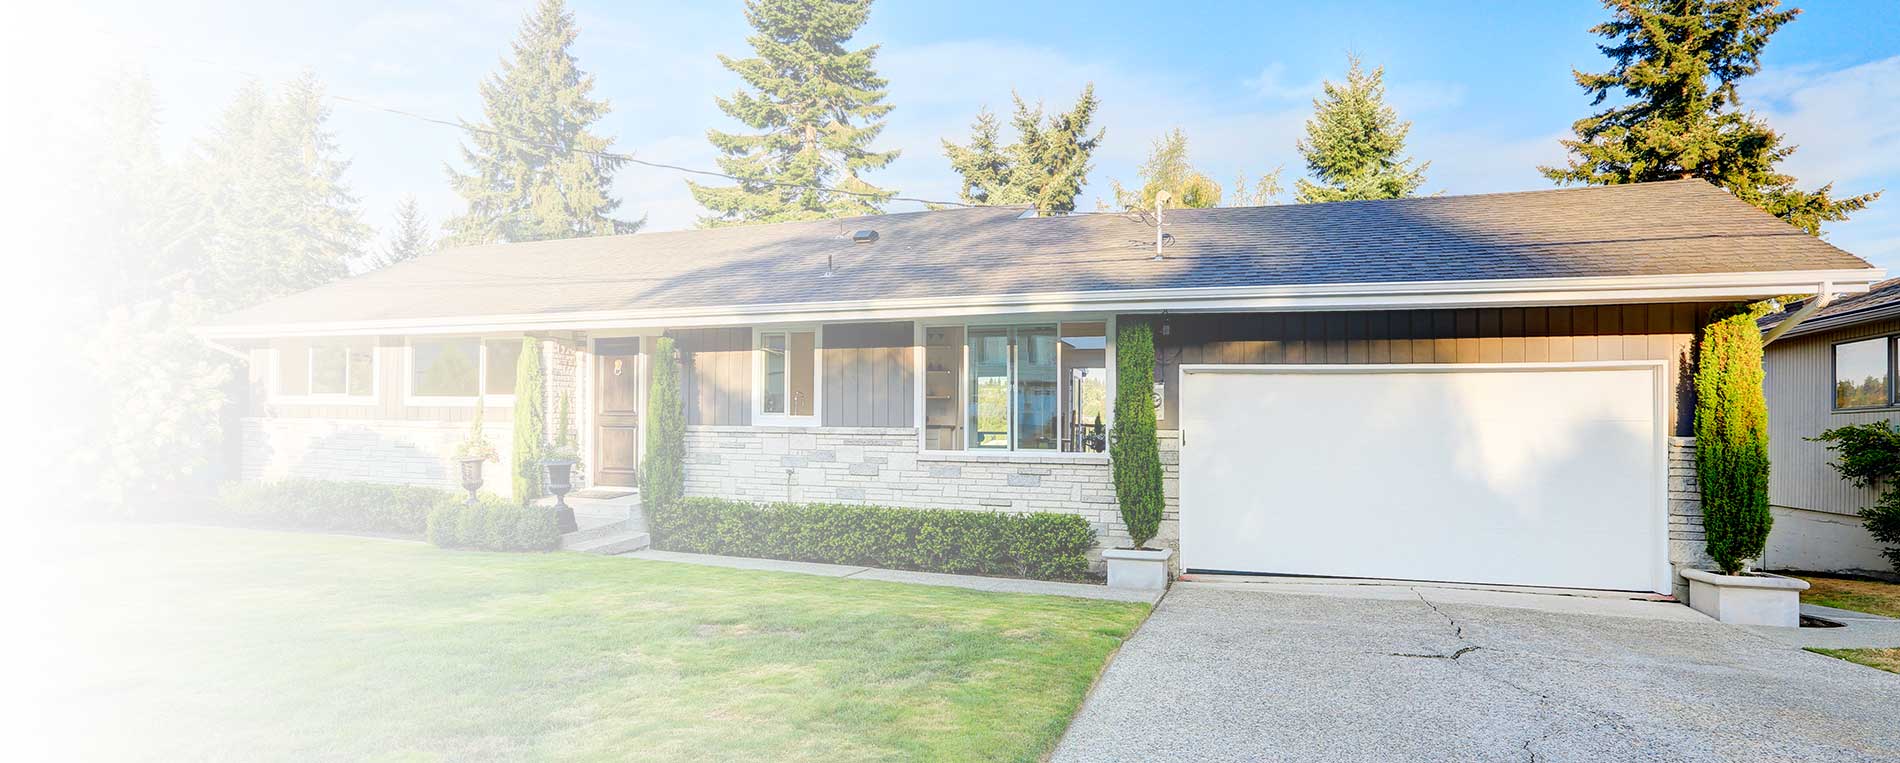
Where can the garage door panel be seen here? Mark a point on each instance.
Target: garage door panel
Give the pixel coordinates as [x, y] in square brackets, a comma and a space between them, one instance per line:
[1529, 476]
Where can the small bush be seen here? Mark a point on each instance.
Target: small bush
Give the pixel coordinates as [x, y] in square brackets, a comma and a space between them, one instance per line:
[302, 504]
[1868, 455]
[493, 524]
[1040, 545]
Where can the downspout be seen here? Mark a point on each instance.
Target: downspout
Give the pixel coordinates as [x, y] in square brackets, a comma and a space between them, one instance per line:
[1822, 297]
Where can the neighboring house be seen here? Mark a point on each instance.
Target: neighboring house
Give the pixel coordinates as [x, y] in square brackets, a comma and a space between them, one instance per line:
[1481, 388]
[1833, 368]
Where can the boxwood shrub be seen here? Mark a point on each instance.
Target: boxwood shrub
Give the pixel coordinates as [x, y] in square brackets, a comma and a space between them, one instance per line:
[493, 524]
[305, 504]
[1037, 545]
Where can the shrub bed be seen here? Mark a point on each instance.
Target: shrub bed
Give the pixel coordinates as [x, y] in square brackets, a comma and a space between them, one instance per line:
[493, 524]
[1037, 545]
[304, 504]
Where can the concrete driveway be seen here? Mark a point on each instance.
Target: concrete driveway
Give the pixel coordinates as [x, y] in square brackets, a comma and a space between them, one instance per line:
[1254, 671]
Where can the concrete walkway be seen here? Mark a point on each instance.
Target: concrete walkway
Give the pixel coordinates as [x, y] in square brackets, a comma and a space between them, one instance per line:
[1231, 672]
[974, 582]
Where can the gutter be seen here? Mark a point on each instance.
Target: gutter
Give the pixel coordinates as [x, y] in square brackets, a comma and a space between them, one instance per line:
[1823, 296]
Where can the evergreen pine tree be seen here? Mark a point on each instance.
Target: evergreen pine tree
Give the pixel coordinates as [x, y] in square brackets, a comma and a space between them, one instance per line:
[411, 237]
[815, 106]
[1167, 169]
[1045, 167]
[530, 177]
[1354, 143]
[277, 217]
[1677, 63]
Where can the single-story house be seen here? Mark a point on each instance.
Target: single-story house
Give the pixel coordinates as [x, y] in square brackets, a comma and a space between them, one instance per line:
[1834, 368]
[1489, 388]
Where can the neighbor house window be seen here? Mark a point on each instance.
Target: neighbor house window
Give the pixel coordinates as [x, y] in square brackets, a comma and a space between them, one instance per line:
[327, 368]
[456, 370]
[1037, 388]
[788, 375]
[1862, 373]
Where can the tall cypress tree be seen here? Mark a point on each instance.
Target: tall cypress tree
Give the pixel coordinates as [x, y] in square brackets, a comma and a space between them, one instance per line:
[816, 107]
[1677, 62]
[1354, 144]
[530, 177]
[531, 422]
[277, 215]
[1046, 166]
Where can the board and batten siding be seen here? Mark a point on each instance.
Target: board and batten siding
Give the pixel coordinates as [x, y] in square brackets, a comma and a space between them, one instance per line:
[867, 376]
[718, 375]
[1490, 335]
[1800, 388]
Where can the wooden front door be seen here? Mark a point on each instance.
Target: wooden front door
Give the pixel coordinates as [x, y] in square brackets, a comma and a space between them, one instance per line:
[617, 412]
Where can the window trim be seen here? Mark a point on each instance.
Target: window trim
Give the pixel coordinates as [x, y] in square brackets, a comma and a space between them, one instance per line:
[1889, 342]
[276, 391]
[762, 419]
[409, 396]
[921, 330]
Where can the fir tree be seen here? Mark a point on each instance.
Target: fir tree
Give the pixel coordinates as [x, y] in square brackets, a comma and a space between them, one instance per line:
[1045, 167]
[1354, 143]
[815, 106]
[1677, 63]
[1167, 169]
[531, 176]
[410, 239]
[277, 216]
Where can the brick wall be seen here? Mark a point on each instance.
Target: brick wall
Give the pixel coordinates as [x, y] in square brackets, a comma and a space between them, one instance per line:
[396, 452]
[883, 466]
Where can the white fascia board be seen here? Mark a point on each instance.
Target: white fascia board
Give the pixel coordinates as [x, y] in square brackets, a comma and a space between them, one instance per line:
[1512, 292]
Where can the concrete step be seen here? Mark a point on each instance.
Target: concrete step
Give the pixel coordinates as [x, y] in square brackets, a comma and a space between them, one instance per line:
[611, 544]
[595, 529]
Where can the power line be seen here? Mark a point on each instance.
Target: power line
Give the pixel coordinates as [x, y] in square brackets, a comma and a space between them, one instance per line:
[630, 158]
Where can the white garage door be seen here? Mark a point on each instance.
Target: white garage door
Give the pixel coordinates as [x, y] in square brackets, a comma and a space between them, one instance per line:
[1522, 474]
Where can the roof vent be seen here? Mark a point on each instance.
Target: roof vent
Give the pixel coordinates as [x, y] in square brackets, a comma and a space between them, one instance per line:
[864, 236]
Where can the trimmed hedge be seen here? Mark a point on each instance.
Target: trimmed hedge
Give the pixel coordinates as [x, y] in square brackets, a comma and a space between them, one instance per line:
[1037, 545]
[305, 504]
[493, 524]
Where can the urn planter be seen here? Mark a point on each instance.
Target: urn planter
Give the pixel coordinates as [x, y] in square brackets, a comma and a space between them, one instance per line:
[1753, 599]
[471, 475]
[1137, 568]
[560, 481]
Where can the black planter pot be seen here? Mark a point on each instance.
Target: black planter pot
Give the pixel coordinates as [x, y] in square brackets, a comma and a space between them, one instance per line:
[471, 475]
[560, 481]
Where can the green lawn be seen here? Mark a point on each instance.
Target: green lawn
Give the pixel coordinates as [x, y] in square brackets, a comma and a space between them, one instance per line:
[242, 645]
[1887, 659]
[1858, 594]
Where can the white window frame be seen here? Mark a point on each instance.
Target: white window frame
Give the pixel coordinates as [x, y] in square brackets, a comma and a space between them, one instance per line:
[964, 451]
[277, 394]
[759, 416]
[409, 396]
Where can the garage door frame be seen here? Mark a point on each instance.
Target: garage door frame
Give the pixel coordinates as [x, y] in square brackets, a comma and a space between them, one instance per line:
[1661, 574]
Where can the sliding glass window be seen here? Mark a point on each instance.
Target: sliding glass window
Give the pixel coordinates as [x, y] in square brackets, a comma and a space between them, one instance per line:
[1024, 388]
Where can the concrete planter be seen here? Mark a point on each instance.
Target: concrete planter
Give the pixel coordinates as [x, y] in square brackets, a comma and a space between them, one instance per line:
[1757, 599]
[1138, 568]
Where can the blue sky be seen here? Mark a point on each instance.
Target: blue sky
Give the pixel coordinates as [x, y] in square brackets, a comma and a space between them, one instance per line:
[1487, 85]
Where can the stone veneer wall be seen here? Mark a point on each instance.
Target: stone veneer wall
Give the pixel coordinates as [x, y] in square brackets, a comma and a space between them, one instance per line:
[367, 450]
[884, 466]
[1686, 540]
[561, 359]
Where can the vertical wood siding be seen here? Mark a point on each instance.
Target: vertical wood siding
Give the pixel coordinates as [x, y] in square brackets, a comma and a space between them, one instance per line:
[1800, 387]
[718, 375]
[1490, 335]
[867, 375]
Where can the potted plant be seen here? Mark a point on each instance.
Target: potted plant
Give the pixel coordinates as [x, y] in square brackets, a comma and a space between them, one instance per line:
[1136, 459]
[1731, 428]
[559, 459]
[472, 452]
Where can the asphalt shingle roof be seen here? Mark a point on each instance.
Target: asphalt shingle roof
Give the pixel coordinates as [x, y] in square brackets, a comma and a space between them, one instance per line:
[1677, 227]
[1880, 301]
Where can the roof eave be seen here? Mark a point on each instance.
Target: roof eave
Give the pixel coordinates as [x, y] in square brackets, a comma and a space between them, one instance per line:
[1509, 292]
